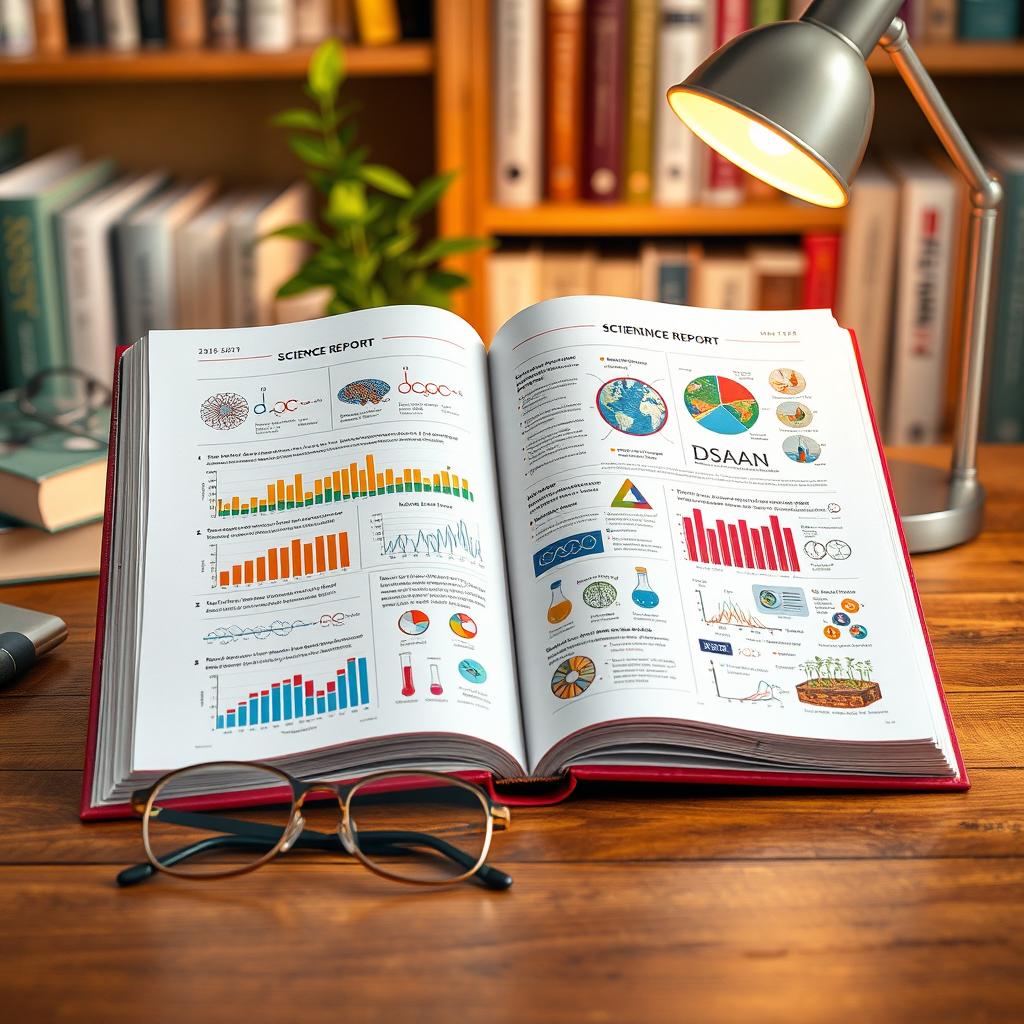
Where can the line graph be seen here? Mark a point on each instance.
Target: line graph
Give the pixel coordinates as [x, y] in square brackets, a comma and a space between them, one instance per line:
[731, 613]
[276, 629]
[417, 537]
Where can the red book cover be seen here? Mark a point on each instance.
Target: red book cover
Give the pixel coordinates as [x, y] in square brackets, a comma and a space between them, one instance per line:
[725, 179]
[564, 32]
[603, 99]
[822, 270]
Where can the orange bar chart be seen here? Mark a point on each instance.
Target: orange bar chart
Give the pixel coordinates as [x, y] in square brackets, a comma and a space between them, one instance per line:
[326, 552]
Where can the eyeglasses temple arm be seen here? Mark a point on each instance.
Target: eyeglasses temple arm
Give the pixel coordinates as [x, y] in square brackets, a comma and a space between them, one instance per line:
[492, 877]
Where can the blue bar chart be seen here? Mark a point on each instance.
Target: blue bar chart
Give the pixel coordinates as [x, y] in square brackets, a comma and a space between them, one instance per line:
[297, 697]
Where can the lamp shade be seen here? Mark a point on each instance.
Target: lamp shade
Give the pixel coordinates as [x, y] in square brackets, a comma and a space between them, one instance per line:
[791, 103]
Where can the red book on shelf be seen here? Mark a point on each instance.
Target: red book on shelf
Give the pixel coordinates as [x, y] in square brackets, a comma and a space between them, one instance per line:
[603, 96]
[564, 38]
[822, 251]
[725, 179]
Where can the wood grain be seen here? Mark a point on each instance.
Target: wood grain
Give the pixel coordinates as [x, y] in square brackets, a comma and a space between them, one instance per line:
[630, 903]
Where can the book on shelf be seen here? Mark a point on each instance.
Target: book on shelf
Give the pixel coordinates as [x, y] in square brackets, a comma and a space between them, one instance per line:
[51, 32]
[564, 70]
[378, 21]
[121, 29]
[28, 555]
[614, 273]
[48, 478]
[820, 281]
[186, 23]
[640, 99]
[989, 20]
[724, 280]
[604, 85]
[566, 270]
[667, 272]
[725, 181]
[84, 22]
[917, 376]
[312, 21]
[152, 33]
[513, 282]
[779, 272]
[939, 21]
[344, 586]
[17, 28]
[224, 24]
[269, 25]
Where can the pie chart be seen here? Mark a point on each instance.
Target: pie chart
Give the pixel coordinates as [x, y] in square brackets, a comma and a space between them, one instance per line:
[720, 405]
[414, 622]
[573, 677]
[462, 625]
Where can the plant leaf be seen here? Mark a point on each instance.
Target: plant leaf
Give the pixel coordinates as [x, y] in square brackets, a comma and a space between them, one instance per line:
[300, 118]
[326, 70]
[312, 151]
[347, 202]
[305, 231]
[446, 280]
[296, 285]
[426, 196]
[386, 180]
[442, 247]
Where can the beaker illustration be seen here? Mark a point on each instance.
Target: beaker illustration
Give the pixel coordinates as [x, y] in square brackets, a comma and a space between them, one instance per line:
[435, 681]
[560, 605]
[643, 595]
[408, 690]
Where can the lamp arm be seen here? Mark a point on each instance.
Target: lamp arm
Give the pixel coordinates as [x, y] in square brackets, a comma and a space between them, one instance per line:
[986, 195]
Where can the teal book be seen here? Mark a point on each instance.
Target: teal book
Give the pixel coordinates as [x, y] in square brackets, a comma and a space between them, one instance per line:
[33, 317]
[12, 147]
[49, 478]
[989, 19]
[1004, 402]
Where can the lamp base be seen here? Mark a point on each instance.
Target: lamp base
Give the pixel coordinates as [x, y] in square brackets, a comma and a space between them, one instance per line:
[937, 511]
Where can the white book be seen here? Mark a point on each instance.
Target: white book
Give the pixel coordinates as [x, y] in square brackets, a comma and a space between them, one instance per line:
[86, 236]
[17, 28]
[864, 302]
[725, 281]
[312, 21]
[680, 158]
[269, 25]
[147, 254]
[617, 274]
[566, 270]
[120, 24]
[917, 385]
[513, 283]
[518, 95]
[201, 257]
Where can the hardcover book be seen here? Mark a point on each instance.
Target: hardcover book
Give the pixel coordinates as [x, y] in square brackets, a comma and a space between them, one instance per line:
[565, 97]
[631, 540]
[603, 90]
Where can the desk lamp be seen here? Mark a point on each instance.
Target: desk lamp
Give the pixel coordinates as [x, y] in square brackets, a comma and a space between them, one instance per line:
[792, 103]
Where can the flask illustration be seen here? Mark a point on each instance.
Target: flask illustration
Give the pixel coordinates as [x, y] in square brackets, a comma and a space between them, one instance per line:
[643, 595]
[435, 681]
[560, 605]
[408, 690]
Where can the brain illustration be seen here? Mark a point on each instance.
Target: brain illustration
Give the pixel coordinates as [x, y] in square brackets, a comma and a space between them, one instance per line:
[224, 412]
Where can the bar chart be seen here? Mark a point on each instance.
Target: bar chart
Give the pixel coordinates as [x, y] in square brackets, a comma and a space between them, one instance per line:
[346, 483]
[298, 558]
[297, 698]
[740, 544]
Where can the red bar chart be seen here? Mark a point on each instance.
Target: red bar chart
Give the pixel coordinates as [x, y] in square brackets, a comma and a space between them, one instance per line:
[740, 544]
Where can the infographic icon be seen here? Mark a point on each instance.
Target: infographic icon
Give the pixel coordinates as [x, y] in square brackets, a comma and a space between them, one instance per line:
[794, 414]
[462, 625]
[414, 622]
[801, 448]
[472, 671]
[721, 405]
[573, 677]
[631, 406]
[787, 381]
[224, 411]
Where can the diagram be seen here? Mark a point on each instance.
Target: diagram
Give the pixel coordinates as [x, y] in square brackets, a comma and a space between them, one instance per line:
[462, 626]
[740, 544]
[414, 622]
[276, 629]
[787, 381]
[801, 448]
[629, 496]
[729, 613]
[299, 558]
[559, 552]
[472, 671]
[415, 536]
[838, 683]
[794, 414]
[631, 406]
[560, 607]
[761, 692]
[643, 593]
[224, 411]
[573, 677]
[364, 392]
[599, 594]
[721, 405]
[781, 600]
[836, 550]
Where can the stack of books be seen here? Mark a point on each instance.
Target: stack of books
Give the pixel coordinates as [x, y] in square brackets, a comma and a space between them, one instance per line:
[579, 93]
[50, 27]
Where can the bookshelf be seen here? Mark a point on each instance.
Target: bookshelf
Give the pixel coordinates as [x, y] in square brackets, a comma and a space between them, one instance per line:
[425, 107]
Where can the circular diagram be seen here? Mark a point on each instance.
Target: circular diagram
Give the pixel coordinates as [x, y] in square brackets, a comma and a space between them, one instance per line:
[838, 549]
[858, 632]
[794, 414]
[831, 632]
[631, 406]
[414, 622]
[815, 549]
[363, 392]
[599, 594]
[849, 605]
[787, 381]
[472, 671]
[462, 625]
[801, 448]
[224, 412]
[840, 619]
[768, 599]
[720, 405]
[573, 677]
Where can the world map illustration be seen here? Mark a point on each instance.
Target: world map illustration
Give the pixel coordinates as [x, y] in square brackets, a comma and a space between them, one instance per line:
[721, 405]
[631, 406]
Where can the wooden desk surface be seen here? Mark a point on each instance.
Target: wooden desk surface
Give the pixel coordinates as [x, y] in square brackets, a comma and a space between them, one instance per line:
[629, 904]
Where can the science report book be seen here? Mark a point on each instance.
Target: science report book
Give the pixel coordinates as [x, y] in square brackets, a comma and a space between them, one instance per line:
[630, 540]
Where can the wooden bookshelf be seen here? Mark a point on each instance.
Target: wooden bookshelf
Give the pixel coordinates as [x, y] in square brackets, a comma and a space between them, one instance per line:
[578, 219]
[403, 59]
[959, 59]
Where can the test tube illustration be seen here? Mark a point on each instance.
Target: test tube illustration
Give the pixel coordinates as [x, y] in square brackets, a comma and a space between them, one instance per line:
[408, 690]
[436, 688]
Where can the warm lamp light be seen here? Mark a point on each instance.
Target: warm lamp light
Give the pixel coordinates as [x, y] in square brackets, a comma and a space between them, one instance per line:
[792, 103]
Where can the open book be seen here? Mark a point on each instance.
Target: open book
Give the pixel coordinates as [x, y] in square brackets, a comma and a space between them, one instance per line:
[630, 540]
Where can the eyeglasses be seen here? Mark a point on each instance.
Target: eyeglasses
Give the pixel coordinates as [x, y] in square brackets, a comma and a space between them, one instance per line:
[62, 399]
[418, 827]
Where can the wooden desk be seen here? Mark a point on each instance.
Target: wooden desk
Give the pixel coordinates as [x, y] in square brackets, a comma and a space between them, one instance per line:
[655, 904]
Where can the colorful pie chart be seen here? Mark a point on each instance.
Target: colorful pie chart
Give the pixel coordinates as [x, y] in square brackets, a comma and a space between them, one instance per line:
[573, 677]
[462, 625]
[414, 622]
[721, 405]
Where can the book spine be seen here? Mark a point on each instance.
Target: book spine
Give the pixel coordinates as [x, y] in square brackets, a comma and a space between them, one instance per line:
[989, 19]
[31, 296]
[186, 24]
[51, 32]
[565, 97]
[224, 24]
[940, 20]
[513, 283]
[679, 156]
[822, 252]
[643, 41]
[17, 28]
[416, 19]
[604, 80]
[312, 21]
[121, 24]
[1004, 410]
[378, 22]
[83, 22]
[269, 25]
[725, 179]
[914, 411]
[151, 23]
[763, 12]
[343, 17]
[516, 140]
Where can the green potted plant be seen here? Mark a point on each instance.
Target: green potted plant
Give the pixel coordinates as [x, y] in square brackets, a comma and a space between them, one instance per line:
[368, 248]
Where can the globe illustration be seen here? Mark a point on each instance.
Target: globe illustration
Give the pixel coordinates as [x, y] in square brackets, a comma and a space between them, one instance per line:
[631, 406]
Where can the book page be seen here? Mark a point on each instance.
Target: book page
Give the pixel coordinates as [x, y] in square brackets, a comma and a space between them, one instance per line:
[324, 560]
[699, 527]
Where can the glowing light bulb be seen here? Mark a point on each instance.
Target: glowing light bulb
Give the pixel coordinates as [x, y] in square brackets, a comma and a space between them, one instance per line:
[768, 141]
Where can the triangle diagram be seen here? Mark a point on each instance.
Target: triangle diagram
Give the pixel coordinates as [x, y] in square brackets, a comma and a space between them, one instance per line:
[629, 496]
